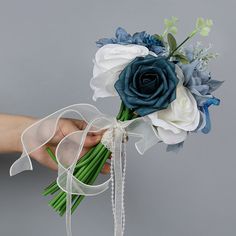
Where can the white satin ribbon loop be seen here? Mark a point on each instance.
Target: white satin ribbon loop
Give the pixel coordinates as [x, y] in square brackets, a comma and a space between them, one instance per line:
[42, 131]
[70, 147]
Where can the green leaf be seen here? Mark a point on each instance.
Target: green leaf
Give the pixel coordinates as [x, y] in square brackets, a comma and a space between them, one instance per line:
[173, 30]
[170, 22]
[170, 26]
[204, 31]
[181, 57]
[158, 37]
[167, 23]
[171, 41]
[200, 23]
[203, 27]
[209, 22]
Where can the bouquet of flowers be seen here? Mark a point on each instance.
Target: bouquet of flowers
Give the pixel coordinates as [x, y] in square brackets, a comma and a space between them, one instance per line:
[156, 78]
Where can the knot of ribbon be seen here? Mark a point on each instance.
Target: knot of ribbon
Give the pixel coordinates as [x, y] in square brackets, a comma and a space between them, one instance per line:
[68, 152]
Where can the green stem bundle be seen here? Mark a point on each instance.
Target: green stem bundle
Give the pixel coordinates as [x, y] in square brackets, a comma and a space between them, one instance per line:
[86, 170]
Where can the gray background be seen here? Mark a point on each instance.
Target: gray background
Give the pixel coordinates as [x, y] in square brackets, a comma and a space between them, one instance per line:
[46, 51]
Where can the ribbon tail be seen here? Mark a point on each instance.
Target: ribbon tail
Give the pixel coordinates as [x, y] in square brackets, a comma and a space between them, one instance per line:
[21, 164]
[119, 193]
[68, 206]
[68, 141]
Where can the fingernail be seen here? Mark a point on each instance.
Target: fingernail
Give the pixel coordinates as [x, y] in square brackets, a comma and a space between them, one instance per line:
[106, 169]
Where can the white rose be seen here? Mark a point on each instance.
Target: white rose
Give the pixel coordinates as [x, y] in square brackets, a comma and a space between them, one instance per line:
[109, 61]
[181, 116]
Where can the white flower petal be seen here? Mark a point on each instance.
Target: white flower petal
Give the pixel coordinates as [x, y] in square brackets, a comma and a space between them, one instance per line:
[166, 132]
[162, 123]
[168, 137]
[103, 83]
[109, 61]
[183, 112]
[181, 116]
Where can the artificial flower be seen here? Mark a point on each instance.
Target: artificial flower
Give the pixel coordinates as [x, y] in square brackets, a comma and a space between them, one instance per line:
[147, 84]
[201, 85]
[109, 61]
[199, 82]
[140, 38]
[181, 116]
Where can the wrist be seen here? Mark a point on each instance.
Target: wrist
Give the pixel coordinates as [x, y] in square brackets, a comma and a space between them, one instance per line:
[11, 128]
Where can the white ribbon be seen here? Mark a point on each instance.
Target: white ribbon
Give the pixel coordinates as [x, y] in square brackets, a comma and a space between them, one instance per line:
[69, 149]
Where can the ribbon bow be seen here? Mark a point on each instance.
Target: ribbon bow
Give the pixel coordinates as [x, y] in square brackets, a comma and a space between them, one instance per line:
[69, 149]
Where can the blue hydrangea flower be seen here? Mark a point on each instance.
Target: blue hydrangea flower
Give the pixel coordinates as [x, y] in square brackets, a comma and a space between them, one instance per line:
[140, 38]
[201, 86]
[199, 82]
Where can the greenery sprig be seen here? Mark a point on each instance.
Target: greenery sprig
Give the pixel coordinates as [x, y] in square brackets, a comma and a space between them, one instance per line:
[202, 27]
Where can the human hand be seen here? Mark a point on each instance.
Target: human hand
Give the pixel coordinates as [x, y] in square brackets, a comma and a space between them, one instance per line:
[12, 126]
[66, 126]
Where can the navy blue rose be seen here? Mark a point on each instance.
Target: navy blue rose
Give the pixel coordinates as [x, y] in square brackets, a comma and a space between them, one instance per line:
[147, 84]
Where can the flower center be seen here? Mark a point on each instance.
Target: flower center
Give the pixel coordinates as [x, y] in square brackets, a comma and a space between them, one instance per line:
[149, 83]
